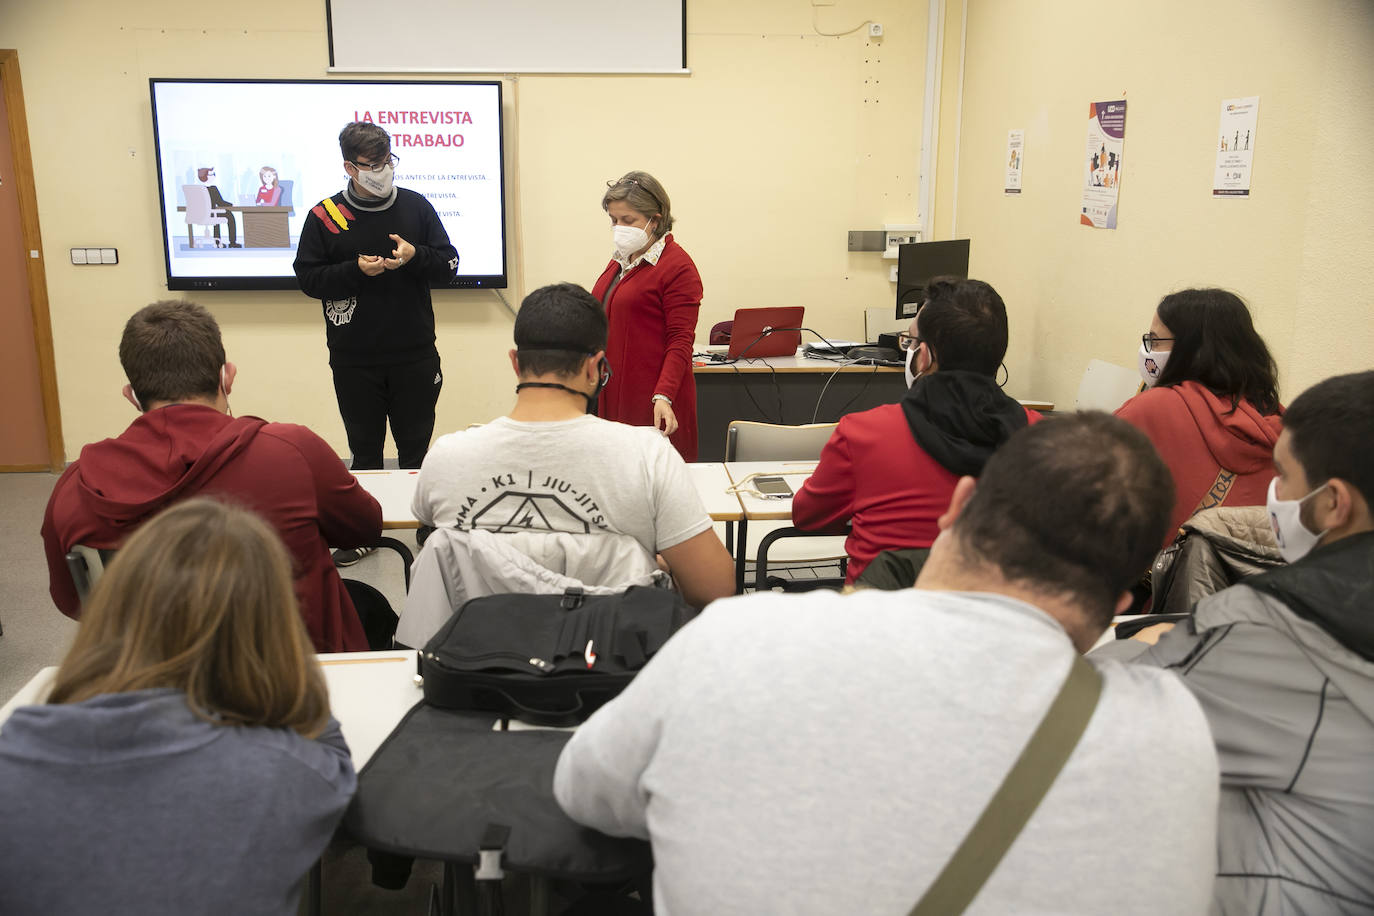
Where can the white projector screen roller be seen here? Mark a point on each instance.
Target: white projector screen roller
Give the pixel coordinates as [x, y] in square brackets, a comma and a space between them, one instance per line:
[508, 36]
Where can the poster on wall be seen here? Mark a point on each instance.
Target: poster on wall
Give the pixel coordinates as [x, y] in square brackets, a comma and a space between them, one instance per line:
[1235, 147]
[1102, 163]
[1016, 150]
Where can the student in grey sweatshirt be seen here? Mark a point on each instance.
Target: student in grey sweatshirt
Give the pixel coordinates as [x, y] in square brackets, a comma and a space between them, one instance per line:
[186, 760]
[826, 754]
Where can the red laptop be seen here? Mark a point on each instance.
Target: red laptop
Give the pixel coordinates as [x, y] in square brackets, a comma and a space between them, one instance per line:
[766, 332]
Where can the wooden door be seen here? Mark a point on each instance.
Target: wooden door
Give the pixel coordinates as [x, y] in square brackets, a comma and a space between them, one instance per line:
[30, 434]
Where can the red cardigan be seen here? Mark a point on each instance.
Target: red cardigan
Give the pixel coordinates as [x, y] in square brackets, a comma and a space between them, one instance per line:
[874, 474]
[653, 322]
[1199, 436]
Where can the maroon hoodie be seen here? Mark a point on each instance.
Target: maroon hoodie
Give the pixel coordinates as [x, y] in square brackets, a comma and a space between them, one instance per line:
[286, 473]
[1218, 456]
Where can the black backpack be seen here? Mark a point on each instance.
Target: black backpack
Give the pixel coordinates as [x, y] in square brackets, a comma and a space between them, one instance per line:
[547, 659]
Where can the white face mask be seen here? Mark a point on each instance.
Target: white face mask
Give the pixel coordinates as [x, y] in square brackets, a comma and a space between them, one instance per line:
[911, 372]
[1285, 515]
[377, 183]
[629, 239]
[1152, 364]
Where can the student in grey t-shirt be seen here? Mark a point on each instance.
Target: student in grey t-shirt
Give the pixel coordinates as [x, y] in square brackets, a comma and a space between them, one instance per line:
[826, 754]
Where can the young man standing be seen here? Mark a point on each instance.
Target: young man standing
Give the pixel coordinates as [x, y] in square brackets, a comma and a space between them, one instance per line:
[370, 254]
[186, 442]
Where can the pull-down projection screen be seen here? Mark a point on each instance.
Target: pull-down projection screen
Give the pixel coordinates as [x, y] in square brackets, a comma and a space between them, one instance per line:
[508, 36]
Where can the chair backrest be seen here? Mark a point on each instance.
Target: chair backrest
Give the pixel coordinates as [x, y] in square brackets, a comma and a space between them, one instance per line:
[86, 564]
[285, 199]
[1105, 386]
[746, 440]
[197, 204]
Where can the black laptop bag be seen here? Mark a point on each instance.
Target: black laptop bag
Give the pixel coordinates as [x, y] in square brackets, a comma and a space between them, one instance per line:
[547, 659]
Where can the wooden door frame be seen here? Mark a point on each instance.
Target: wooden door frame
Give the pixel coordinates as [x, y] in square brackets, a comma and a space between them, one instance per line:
[33, 241]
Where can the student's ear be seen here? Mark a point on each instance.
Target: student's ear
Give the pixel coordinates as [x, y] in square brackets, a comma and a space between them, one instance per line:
[592, 370]
[132, 398]
[1123, 603]
[227, 375]
[963, 491]
[515, 363]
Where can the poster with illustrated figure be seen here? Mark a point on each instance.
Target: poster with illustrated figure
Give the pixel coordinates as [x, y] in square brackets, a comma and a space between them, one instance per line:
[1016, 150]
[1235, 147]
[1102, 163]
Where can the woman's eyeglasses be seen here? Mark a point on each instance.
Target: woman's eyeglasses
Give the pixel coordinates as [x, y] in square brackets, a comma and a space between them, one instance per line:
[1149, 340]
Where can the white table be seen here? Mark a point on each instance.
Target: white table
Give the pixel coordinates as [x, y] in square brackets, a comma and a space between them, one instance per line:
[394, 489]
[713, 486]
[369, 692]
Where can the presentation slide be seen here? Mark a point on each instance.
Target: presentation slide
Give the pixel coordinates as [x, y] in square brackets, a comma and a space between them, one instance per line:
[241, 163]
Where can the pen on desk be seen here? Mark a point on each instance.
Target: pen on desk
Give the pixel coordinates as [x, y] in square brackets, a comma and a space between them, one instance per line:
[589, 655]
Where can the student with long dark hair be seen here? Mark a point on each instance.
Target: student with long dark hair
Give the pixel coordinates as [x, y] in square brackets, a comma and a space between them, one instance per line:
[185, 760]
[1211, 405]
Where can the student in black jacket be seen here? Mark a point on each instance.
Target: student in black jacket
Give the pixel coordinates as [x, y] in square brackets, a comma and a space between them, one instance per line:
[370, 254]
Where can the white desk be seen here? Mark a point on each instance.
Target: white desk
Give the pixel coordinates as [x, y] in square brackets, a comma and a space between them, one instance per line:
[369, 692]
[394, 489]
[713, 486]
[757, 508]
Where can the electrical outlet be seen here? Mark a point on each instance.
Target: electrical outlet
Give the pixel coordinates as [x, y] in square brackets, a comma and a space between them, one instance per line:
[875, 30]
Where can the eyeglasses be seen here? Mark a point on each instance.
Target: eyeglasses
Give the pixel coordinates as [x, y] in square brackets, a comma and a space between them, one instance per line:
[391, 160]
[908, 341]
[634, 182]
[1149, 340]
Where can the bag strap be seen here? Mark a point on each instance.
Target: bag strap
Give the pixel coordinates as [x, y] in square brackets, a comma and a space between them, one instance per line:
[1017, 798]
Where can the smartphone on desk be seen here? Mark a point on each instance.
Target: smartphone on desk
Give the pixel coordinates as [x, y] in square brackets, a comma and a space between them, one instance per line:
[775, 487]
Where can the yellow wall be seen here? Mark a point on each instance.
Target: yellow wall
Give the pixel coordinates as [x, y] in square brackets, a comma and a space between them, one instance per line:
[1301, 250]
[779, 142]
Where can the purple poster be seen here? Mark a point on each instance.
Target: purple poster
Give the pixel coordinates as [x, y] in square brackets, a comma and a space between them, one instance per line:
[1102, 163]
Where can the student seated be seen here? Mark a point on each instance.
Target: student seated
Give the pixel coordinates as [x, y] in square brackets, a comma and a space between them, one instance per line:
[549, 496]
[186, 441]
[1283, 665]
[1211, 405]
[185, 760]
[826, 753]
[891, 470]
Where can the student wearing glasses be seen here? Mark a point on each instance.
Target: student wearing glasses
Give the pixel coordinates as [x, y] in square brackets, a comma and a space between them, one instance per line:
[1211, 401]
[651, 292]
[890, 472]
[370, 254]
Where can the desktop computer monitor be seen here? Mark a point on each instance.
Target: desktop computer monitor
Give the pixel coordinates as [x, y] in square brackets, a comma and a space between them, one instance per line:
[920, 262]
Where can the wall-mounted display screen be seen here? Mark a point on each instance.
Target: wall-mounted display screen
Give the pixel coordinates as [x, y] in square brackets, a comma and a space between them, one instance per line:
[241, 163]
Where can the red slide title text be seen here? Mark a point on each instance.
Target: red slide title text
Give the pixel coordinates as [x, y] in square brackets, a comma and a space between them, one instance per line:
[399, 140]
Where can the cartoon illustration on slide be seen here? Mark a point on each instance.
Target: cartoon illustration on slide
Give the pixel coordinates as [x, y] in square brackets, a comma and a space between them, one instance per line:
[1015, 157]
[269, 195]
[205, 206]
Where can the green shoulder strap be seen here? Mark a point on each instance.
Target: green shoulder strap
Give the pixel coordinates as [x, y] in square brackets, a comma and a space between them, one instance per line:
[1018, 796]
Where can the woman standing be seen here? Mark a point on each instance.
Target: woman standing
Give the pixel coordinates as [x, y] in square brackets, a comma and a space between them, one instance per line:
[651, 292]
[1211, 405]
[185, 760]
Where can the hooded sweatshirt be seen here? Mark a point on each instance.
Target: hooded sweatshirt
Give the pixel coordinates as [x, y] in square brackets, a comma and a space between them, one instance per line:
[884, 470]
[131, 804]
[1217, 456]
[285, 473]
[1283, 666]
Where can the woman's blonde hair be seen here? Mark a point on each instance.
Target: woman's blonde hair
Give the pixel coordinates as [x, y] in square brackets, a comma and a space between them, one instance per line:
[201, 599]
[264, 172]
[642, 192]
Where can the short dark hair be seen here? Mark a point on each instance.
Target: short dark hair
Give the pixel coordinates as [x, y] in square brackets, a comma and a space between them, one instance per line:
[363, 138]
[1330, 426]
[1217, 346]
[171, 351]
[558, 328]
[964, 323]
[1076, 505]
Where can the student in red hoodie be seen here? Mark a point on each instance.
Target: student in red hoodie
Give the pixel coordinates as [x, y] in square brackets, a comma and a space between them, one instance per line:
[890, 472]
[1211, 404]
[186, 442]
